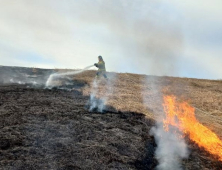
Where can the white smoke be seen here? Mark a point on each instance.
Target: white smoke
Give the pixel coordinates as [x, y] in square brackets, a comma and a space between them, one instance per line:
[55, 76]
[16, 82]
[100, 103]
[170, 148]
[22, 76]
[93, 101]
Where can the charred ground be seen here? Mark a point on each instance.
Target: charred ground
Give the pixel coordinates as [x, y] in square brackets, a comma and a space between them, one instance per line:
[44, 128]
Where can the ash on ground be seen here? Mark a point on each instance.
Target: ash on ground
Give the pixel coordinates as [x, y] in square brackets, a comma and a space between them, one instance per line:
[51, 129]
[43, 128]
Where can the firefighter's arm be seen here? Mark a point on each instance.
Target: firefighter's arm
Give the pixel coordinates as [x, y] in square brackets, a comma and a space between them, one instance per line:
[96, 64]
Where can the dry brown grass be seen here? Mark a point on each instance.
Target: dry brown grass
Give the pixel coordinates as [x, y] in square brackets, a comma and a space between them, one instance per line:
[143, 94]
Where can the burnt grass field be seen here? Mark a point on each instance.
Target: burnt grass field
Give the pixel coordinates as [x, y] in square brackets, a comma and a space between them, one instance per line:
[51, 128]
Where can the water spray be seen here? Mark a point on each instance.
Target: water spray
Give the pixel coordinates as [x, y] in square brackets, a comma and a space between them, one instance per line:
[59, 75]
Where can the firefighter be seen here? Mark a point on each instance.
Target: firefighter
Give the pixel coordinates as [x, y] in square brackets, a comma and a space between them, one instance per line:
[101, 67]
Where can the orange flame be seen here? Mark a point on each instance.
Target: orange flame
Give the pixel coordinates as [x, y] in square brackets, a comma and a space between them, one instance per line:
[181, 115]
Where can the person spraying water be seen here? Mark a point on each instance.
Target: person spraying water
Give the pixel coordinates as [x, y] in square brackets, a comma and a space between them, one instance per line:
[97, 100]
[101, 67]
[101, 72]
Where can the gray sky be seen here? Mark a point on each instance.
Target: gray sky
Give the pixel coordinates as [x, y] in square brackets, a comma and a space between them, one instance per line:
[155, 37]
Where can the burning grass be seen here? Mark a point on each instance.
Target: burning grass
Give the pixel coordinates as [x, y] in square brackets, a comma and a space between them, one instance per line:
[182, 116]
[51, 125]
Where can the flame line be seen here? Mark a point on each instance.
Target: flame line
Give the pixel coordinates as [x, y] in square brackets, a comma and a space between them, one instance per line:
[182, 115]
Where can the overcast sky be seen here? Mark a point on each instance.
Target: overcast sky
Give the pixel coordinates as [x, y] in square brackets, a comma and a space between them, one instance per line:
[155, 37]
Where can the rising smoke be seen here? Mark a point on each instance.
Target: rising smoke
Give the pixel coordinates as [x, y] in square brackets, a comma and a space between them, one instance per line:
[144, 35]
[170, 148]
[95, 103]
[23, 75]
[98, 102]
[141, 36]
[159, 44]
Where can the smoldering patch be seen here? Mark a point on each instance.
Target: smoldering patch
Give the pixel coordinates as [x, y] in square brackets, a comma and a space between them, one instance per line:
[23, 75]
[67, 83]
[95, 105]
[98, 100]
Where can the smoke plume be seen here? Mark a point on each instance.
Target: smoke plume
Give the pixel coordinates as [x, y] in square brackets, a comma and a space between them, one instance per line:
[143, 36]
[148, 40]
[99, 103]
[160, 44]
[170, 148]
[95, 103]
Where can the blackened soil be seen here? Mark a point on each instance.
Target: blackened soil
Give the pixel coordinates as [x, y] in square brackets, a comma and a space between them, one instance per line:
[51, 129]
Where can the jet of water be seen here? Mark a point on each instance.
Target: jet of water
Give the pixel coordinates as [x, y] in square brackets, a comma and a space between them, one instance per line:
[59, 75]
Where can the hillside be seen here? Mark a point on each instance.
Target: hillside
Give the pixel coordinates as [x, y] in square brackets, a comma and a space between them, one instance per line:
[52, 127]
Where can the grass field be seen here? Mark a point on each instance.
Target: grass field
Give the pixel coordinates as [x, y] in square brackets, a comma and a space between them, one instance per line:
[51, 128]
